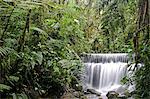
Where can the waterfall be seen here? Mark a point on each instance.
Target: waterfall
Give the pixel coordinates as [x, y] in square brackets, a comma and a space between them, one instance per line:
[103, 72]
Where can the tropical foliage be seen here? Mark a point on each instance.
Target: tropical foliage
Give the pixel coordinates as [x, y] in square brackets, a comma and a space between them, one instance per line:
[41, 42]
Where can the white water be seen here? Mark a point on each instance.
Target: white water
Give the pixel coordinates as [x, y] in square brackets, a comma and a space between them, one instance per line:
[105, 77]
[103, 72]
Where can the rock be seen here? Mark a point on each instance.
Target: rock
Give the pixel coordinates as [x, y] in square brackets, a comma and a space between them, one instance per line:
[100, 97]
[79, 95]
[121, 89]
[78, 87]
[75, 84]
[92, 96]
[66, 95]
[122, 97]
[127, 94]
[83, 97]
[131, 88]
[92, 91]
[112, 94]
[76, 94]
[86, 92]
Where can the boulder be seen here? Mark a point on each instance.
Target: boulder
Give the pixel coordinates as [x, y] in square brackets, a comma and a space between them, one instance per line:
[112, 94]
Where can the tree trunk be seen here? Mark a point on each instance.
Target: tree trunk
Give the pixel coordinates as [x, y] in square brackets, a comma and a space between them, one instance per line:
[143, 21]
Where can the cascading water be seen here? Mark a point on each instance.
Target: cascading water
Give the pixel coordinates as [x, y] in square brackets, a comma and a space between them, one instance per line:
[103, 72]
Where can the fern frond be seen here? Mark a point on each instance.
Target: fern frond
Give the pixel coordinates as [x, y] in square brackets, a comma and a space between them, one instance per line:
[4, 87]
[4, 51]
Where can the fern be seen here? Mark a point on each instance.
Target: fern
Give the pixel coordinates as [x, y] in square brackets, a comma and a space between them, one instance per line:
[4, 51]
[4, 87]
[19, 96]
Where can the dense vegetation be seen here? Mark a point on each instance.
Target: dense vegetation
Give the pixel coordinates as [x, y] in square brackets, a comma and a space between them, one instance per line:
[41, 42]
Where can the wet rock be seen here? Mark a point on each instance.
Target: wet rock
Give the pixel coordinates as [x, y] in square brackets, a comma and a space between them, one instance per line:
[92, 96]
[100, 97]
[122, 97]
[66, 95]
[78, 87]
[76, 94]
[86, 92]
[112, 94]
[75, 84]
[79, 95]
[92, 91]
[127, 93]
[131, 88]
[83, 97]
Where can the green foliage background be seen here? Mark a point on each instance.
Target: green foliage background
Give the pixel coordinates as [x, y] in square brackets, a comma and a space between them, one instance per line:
[41, 42]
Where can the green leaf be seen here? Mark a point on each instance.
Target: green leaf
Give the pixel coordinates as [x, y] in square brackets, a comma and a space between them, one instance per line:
[4, 51]
[13, 78]
[4, 87]
[37, 29]
[129, 50]
[19, 96]
[38, 57]
[56, 69]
